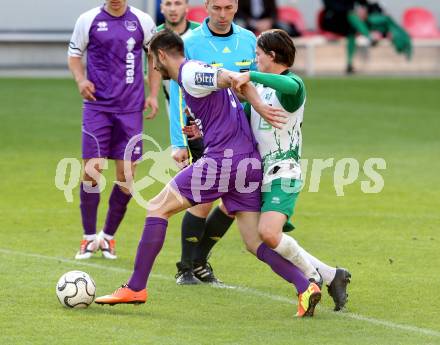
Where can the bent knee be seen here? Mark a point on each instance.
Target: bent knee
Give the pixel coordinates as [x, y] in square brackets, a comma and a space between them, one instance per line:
[269, 235]
[201, 210]
[155, 210]
[121, 176]
[87, 178]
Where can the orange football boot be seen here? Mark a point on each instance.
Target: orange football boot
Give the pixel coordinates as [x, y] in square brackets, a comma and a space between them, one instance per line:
[308, 300]
[124, 295]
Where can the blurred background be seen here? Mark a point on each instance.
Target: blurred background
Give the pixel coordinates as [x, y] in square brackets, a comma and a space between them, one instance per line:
[34, 42]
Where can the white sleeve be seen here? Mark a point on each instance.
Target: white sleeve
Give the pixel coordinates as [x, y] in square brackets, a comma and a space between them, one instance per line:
[147, 23]
[199, 79]
[80, 37]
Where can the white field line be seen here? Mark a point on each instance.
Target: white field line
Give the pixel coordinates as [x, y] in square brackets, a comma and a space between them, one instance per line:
[246, 290]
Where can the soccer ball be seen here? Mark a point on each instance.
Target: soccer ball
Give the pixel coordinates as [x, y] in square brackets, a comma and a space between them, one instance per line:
[76, 289]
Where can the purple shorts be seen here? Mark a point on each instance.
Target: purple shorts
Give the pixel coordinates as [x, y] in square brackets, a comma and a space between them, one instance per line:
[107, 134]
[235, 180]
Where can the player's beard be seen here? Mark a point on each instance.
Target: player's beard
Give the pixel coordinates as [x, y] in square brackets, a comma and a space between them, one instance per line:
[176, 22]
[163, 71]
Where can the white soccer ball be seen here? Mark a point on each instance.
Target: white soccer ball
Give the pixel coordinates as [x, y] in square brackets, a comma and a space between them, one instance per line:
[76, 289]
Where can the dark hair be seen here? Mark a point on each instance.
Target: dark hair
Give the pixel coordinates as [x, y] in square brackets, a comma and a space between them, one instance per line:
[168, 41]
[278, 42]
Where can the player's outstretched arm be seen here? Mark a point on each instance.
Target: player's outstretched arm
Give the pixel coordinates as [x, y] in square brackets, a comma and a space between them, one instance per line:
[281, 83]
[274, 116]
[200, 81]
[86, 87]
[154, 80]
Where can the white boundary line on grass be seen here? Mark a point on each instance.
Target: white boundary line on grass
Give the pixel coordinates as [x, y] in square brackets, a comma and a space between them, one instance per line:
[353, 316]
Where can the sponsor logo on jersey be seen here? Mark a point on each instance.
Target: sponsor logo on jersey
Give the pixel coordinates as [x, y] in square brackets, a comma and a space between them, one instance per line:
[131, 25]
[268, 96]
[137, 150]
[129, 61]
[263, 125]
[102, 26]
[204, 79]
[130, 44]
[226, 50]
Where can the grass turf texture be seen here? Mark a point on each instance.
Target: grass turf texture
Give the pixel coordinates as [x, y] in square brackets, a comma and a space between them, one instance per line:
[389, 241]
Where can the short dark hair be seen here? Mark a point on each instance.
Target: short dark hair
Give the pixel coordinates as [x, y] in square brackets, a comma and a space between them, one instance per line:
[279, 42]
[168, 41]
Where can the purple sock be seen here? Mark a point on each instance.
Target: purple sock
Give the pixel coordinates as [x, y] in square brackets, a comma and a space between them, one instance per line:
[117, 206]
[89, 208]
[285, 269]
[149, 247]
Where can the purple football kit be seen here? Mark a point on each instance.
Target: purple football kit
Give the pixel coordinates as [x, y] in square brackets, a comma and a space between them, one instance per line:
[114, 65]
[230, 168]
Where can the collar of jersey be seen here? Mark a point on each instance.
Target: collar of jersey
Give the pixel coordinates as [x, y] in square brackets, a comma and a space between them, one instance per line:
[112, 16]
[207, 32]
[179, 77]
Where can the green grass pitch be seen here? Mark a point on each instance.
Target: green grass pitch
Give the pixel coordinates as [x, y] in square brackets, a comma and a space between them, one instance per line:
[390, 241]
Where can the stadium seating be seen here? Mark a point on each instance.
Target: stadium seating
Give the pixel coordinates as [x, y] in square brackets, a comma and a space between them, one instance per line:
[420, 23]
[197, 14]
[291, 15]
[308, 40]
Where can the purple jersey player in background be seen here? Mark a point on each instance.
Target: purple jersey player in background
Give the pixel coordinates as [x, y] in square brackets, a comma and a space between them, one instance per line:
[230, 169]
[114, 37]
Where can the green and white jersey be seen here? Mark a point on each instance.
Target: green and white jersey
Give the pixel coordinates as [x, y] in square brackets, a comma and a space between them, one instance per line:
[280, 150]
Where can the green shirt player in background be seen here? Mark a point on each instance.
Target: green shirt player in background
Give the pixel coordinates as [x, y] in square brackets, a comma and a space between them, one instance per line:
[280, 150]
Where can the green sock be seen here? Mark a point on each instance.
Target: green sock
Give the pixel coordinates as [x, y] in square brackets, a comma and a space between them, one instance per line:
[378, 22]
[359, 25]
[351, 49]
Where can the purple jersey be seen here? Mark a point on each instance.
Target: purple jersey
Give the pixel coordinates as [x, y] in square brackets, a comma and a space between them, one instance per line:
[217, 112]
[114, 56]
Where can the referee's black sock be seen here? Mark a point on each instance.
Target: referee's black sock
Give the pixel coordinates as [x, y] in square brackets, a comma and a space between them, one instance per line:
[216, 226]
[192, 232]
